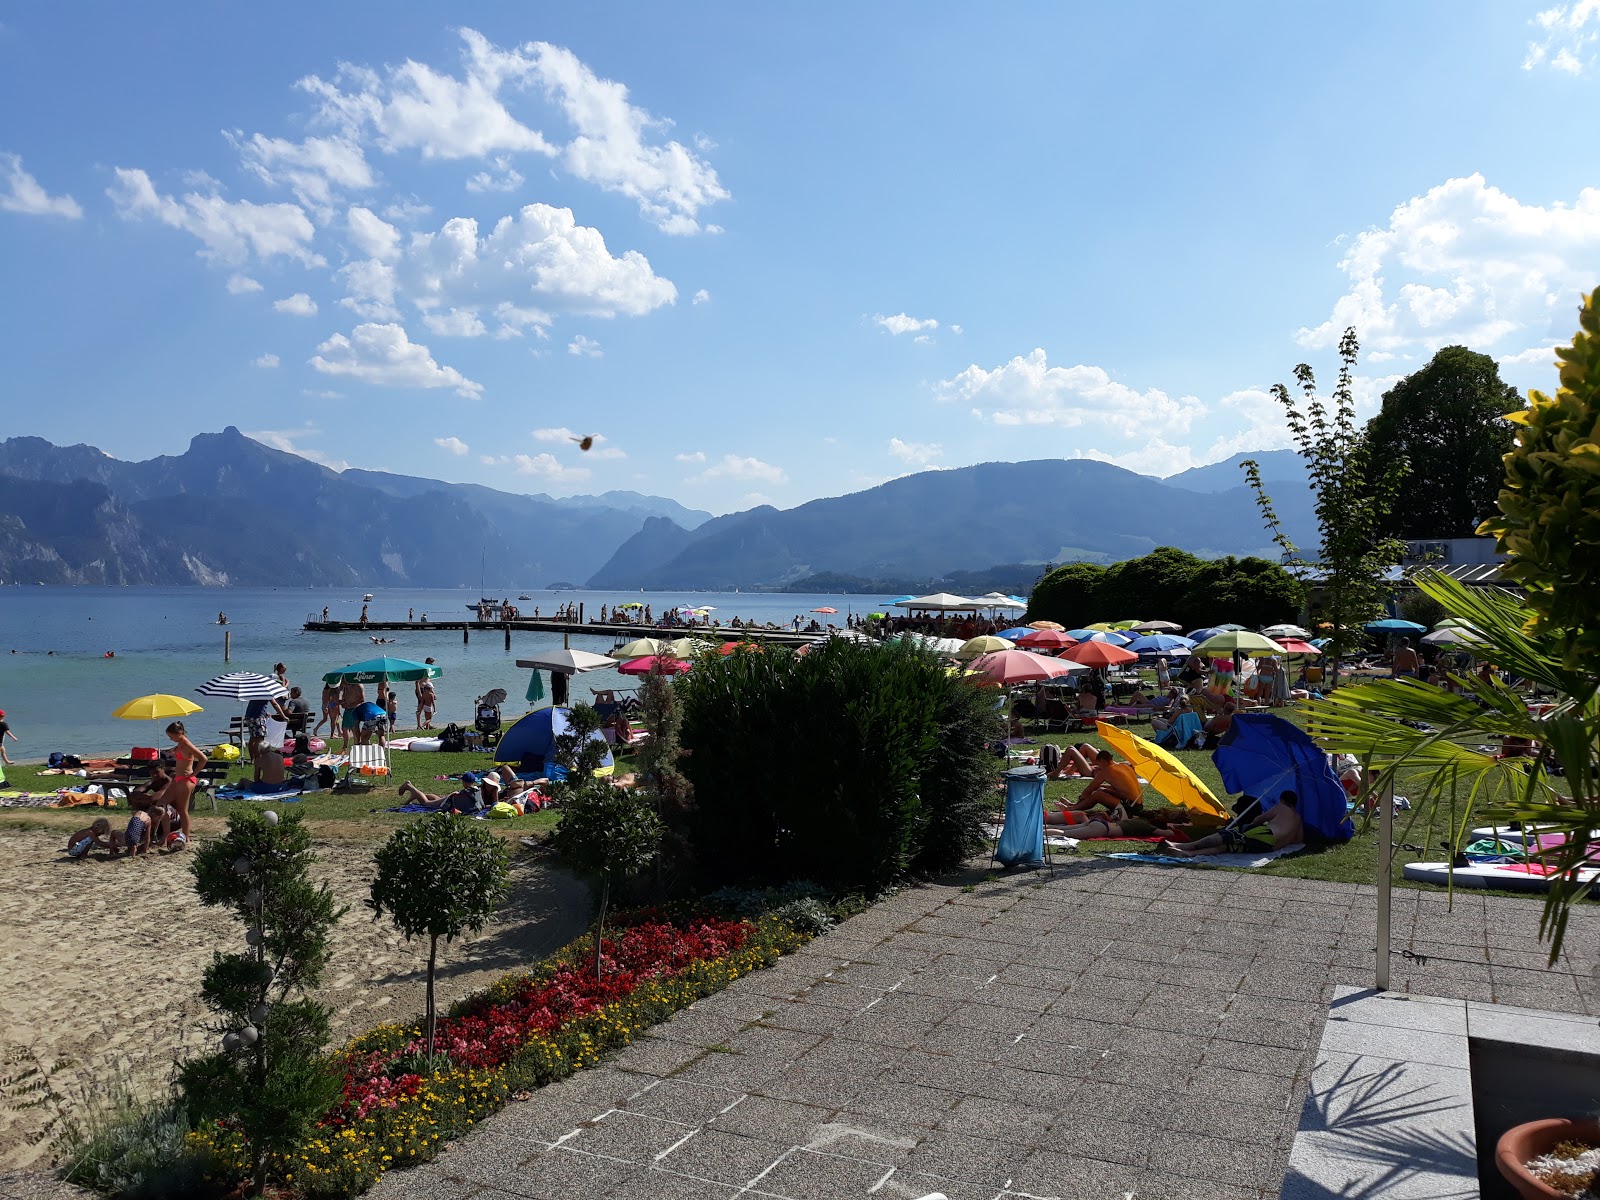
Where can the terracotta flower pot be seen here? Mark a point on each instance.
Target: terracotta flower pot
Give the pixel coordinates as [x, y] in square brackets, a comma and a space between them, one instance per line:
[1522, 1143]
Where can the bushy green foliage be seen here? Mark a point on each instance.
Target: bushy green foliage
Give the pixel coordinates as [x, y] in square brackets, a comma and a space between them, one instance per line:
[271, 1079]
[1549, 519]
[1171, 585]
[121, 1144]
[439, 878]
[1447, 421]
[855, 765]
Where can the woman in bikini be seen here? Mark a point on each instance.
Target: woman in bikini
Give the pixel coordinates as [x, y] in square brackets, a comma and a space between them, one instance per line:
[1118, 823]
[186, 777]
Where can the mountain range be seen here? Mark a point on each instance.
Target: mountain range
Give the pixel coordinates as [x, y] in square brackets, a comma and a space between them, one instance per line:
[230, 510]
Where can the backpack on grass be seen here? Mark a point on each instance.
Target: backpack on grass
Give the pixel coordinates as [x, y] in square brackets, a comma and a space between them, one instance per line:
[452, 739]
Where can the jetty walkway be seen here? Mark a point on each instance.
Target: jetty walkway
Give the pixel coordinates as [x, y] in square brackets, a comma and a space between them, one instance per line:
[616, 630]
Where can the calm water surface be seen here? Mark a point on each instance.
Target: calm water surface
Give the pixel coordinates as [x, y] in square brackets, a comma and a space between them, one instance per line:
[166, 640]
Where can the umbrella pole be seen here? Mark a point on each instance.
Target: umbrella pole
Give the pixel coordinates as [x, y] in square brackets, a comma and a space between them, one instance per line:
[1385, 879]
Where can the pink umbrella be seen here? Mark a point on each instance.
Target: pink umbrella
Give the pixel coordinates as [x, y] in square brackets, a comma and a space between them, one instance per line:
[1296, 646]
[1099, 654]
[1018, 666]
[666, 664]
[1046, 639]
[829, 611]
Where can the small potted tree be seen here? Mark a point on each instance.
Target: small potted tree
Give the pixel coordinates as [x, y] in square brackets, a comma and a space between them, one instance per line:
[439, 878]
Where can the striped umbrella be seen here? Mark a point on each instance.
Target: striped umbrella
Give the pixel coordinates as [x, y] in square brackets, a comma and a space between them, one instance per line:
[243, 686]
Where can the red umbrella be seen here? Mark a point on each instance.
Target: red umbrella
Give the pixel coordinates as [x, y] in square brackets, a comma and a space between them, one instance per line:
[829, 611]
[1296, 646]
[730, 647]
[1099, 654]
[1018, 666]
[1046, 639]
[650, 663]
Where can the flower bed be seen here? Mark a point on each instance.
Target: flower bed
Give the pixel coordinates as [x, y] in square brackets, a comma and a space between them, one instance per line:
[522, 1032]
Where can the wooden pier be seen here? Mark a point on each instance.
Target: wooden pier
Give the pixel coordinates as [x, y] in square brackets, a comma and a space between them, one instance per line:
[616, 631]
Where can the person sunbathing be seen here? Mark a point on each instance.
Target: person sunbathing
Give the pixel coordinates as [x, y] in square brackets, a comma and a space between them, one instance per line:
[465, 799]
[1279, 826]
[1118, 823]
[1111, 784]
[1069, 761]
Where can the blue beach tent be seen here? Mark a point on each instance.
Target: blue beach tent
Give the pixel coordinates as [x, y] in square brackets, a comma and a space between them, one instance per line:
[534, 737]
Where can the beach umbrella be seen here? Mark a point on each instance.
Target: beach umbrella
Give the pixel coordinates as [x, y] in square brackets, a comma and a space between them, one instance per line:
[1011, 635]
[1279, 632]
[155, 708]
[1160, 643]
[1226, 627]
[535, 691]
[1116, 637]
[1088, 635]
[1263, 755]
[1157, 627]
[829, 611]
[1453, 637]
[939, 645]
[1128, 623]
[534, 737]
[878, 616]
[1047, 639]
[1018, 666]
[983, 645]
[629, 604]
[637, 648]
[375, 670]
[1320, 643]
[1454, 623]
[1200, 635]
[1238, 641]
[999, 600]
[566, 662]
[1047, 625]
[243, 686]
[1394, 625]
[1101, 627]
[652, 663]
[1162, 770]
[1099, 654]
[730, 647]
[1297, 646]
[685, 647]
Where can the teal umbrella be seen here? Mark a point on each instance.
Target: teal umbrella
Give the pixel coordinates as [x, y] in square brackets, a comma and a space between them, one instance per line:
[535, 688]
[375, 670]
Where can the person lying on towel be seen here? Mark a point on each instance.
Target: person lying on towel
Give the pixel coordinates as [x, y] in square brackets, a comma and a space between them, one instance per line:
[1277, 827]
[1111, 784]
[1118, 823]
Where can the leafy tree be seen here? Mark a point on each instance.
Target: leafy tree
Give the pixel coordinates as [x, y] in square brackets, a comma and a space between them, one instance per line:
[439, 878]
[271, 1080]
[1170, 584]
[1448, 423]
[1354, 495]
[1245, 591]
[659, 756]
[609, 832]
[1066, 595]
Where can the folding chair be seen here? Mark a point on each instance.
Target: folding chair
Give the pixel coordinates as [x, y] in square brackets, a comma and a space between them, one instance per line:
[361, 763]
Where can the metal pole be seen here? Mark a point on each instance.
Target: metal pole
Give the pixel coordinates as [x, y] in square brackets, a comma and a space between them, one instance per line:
[508, 635]
[227, 645]
[1385, 796]
[465, 630]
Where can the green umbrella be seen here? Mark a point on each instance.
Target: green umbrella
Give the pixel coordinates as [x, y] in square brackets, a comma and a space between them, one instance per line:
[1239, 641]
[535, 688]
[374, 670]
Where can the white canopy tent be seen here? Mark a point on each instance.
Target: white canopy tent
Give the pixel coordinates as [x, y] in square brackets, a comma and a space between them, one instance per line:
[941, 602]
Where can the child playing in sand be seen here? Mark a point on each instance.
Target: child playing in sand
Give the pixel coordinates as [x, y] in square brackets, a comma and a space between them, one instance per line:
[96, 835]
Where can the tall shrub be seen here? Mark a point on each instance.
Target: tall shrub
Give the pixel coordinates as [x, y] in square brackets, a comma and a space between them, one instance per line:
[855, 765]
[271, 1080]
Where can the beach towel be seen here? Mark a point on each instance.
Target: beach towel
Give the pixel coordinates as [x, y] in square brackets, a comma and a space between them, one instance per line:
[1184, 733]
[407, 808]
[1240, 861]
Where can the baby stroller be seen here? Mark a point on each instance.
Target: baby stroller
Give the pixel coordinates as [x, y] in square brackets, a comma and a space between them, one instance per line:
[488, 720]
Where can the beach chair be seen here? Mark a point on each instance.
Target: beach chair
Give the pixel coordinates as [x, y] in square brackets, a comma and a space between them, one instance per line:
[362, 764]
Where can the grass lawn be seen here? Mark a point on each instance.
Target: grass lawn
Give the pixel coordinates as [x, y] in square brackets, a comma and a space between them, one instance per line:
[329, 814]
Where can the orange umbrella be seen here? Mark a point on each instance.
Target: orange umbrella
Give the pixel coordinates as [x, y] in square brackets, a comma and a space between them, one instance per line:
[1099, 654]
[1047, 625]
[730, 647]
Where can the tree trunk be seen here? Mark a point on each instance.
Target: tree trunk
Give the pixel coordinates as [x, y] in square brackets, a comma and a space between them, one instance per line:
[600, 926]
[433, 958]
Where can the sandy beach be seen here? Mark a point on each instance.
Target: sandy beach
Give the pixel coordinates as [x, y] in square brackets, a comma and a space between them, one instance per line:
[100, 965]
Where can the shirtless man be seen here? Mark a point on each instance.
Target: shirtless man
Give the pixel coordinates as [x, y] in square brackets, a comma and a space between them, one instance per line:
[1406, 661]
[1110, 784]
[1279, 826]
[351, 697]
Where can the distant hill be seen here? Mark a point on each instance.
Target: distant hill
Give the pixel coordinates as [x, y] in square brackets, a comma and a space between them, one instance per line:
[936, 522]
[1277, 466]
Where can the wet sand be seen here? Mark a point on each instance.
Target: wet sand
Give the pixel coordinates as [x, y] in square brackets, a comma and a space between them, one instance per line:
[100, 964]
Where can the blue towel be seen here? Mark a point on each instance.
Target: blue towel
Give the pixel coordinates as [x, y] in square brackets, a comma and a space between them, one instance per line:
[409, 808]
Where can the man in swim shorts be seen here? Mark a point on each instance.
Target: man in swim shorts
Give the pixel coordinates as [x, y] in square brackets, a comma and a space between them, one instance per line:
[1110, 784]
[351, 697]
[1279, 826]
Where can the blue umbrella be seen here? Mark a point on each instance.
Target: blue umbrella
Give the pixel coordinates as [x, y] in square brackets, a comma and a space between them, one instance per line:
[1112, 637]
[1263, 755]
[1012, 635]
[1203, 635]
[1089, 635]
[1160, 643]
[1394, 625]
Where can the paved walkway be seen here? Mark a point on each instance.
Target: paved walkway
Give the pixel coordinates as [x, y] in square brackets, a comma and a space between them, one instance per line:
[1116, 1031]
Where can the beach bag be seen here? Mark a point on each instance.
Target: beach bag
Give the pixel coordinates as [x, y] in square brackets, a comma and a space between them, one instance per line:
[452, 739]
[143, 754]
[502, 811]
[326, 776]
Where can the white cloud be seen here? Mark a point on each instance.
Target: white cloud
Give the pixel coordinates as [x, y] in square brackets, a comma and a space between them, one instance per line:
[562, 434]
[732, 466]
[1028, 391]
[608, 452]
[696, 456]
[922, 339]
[919, 453]
[297, 305]
[322, 394]
[503, 178]
[1540, 356]
[241, 285]
[488, 460]
[20, 192]
[756, 499]
[384, 355]
[317, 170]
[373, 236]
[584, 347]
[1464, 263]
[407, 209]
[902, 323]
[453, 444]
[701, 297]
[264, 360]
[548, 466]
[230, 231]
[288, 440]
[956, 329]
[456, 322]
[527, 268]
[1567, 39]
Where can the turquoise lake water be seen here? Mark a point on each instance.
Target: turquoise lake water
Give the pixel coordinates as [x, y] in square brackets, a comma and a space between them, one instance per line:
[166, 640]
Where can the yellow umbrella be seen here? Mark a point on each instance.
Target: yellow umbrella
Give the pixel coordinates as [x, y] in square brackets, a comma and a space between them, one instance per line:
[986, 644]
[1101, 626]
[1128, 624]
[1162, 770]
[154, 708]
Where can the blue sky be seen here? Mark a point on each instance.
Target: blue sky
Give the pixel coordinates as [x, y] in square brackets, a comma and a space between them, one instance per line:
[772, 253]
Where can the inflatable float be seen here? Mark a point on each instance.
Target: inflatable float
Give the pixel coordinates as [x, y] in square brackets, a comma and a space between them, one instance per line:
[1505, 877]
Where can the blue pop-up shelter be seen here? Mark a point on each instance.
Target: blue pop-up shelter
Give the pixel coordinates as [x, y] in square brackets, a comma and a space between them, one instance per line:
[533, 739]
[1262, 755]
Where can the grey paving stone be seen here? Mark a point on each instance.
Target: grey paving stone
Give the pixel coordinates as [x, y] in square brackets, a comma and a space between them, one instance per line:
[1403, 1044]
[657, 1184]
[628, 1136]
[723, 1157]
[806, 1175]
[785, 1121]
[1018, 1123]
[973, 1160]
[682, 1101]
[904, 1103]
[558, 1174]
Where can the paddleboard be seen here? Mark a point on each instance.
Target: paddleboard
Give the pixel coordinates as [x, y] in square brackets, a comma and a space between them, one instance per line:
[1505, 877]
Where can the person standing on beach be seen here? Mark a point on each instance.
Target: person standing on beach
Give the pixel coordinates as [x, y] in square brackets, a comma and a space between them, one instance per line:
[280, 673]
[330, 710]
[5, 759]
[351, 697]
[186, 777]
[427, 700]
